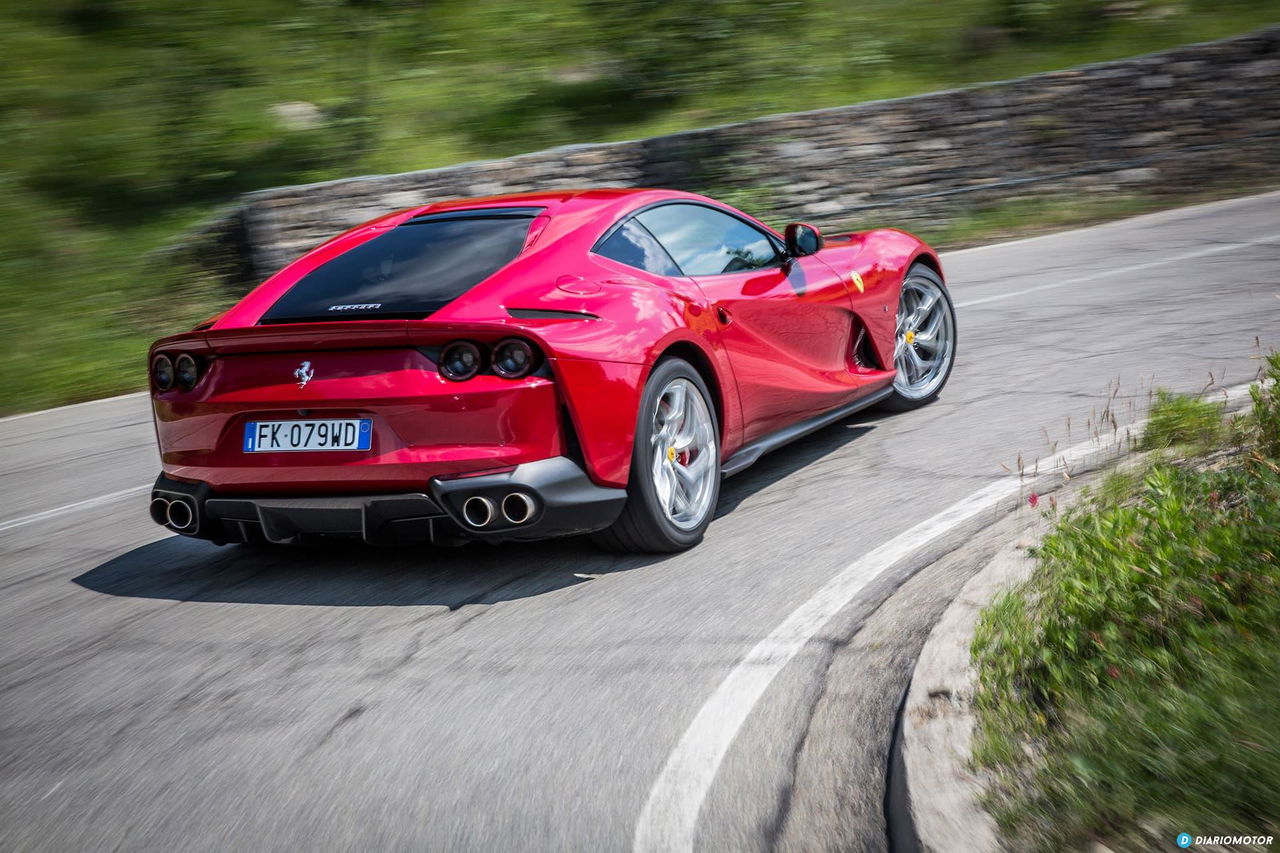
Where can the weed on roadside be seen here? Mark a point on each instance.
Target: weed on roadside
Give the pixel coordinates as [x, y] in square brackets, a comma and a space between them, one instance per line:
[1133, 684]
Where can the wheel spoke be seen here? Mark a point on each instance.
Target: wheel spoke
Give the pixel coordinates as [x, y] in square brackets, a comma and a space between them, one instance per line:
[680, 497]
[927, 338]
[924, 308]
[662, 482]
[676, 398]
[917, 365]
[691, 475]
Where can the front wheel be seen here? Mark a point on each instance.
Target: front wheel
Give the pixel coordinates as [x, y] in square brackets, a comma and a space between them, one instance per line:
[924, 345]
[675, 466]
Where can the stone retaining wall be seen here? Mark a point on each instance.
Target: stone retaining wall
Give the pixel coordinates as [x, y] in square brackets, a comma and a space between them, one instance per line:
[1166, 121]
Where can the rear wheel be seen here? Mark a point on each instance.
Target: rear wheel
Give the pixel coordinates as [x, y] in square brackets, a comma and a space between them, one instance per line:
[675, 466]
[924, 345]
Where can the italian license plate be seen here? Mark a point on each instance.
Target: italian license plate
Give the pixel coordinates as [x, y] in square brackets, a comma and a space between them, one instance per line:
[277, 436]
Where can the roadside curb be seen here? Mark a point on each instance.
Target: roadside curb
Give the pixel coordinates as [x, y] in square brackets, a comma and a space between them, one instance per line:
[937, 718]
[944, 794]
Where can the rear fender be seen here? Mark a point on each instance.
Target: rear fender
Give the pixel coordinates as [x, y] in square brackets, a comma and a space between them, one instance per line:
[603, 399]
[603, 357]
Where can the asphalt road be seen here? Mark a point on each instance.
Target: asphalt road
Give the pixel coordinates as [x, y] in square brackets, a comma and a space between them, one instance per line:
[162, 693]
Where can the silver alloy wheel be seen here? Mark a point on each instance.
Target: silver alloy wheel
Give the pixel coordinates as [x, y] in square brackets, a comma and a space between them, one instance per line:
[925, 340]
[683, 454]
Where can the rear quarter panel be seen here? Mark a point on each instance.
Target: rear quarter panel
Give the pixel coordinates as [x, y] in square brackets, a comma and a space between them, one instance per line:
[602, 362]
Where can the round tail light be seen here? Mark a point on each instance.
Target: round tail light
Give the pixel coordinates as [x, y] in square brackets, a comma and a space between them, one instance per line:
[185, 372]
[512, 358]
[460, 361]
[162, 372]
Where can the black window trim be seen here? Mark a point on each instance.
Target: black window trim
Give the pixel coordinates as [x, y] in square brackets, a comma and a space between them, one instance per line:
[778, 246]
[617, 226]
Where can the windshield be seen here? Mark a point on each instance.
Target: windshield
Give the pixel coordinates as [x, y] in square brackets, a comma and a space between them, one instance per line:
[410, 271]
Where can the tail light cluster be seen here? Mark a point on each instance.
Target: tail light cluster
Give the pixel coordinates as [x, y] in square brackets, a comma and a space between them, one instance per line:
[511, 358]
[182, 372]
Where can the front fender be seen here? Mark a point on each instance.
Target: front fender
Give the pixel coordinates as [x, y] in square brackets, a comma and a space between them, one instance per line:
[881, 259]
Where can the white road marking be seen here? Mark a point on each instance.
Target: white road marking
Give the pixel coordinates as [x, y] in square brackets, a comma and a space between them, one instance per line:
[72, 507]
[1171, 259]
[1140, 219]
[73, 406]
[669, 820]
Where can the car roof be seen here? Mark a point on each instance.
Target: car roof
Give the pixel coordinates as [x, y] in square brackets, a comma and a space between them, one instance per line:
[600, 200]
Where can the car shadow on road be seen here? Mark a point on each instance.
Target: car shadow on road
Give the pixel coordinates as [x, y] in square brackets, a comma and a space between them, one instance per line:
[785, 461]
[354, 575]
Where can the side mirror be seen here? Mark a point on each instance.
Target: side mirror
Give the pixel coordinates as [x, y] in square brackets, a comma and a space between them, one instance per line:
[802, 239]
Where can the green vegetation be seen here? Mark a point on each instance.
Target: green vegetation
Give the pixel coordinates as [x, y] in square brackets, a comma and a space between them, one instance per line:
[1178, 419]
[127, 121]
[1131, 689]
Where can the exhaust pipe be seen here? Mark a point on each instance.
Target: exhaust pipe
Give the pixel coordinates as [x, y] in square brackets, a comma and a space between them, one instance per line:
[160, 511]
[477, 511]
[179, 515]
[518, 507]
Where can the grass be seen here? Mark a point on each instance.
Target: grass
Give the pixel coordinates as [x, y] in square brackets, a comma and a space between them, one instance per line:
[127, 121]
[1178, 419]
[1131, 689]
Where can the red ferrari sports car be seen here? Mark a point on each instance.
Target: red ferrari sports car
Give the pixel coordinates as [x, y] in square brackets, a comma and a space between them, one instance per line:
[535, 365]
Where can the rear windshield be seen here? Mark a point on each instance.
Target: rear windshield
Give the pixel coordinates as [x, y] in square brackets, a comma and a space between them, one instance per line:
[410, 271]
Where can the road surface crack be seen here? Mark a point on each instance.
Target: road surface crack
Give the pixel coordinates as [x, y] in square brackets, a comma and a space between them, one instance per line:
[352, 713]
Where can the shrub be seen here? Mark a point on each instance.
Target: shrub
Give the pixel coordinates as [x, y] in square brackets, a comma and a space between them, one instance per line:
[1180, 419]
[1135, 679]
[1266, 407]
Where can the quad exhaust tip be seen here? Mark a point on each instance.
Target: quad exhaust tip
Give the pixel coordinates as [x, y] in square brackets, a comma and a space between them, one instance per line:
[174, 514]
[160, 511]
[179, 515]
[515, 508]
[478, 511]
[518, 507]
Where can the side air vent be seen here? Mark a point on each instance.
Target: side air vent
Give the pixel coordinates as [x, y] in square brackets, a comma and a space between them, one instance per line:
[864, 355]
[546, 314]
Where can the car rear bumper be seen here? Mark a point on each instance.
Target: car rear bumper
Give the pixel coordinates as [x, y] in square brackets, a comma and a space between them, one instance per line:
[535, 500]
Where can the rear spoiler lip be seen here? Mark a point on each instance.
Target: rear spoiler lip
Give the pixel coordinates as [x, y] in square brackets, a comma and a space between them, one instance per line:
[339, 335]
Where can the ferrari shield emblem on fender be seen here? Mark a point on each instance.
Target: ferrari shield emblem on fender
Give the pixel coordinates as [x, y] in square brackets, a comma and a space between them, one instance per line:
[857, 281]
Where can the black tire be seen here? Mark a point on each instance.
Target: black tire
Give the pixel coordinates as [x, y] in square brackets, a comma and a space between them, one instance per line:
[898, 402]
[643, 527]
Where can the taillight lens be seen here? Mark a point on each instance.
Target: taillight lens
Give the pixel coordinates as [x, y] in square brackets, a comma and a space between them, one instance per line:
[460, 360]
[162, 372]
[186, 372]
[513, 358]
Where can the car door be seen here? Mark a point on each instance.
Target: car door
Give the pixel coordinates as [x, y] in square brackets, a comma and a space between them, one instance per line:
[786, 322]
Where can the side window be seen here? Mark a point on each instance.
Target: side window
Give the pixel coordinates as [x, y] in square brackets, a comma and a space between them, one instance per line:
[635, 247]
[704, 241]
